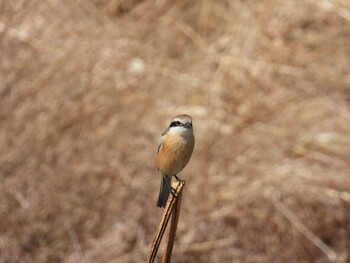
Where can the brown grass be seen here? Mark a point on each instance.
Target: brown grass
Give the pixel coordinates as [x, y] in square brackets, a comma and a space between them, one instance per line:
[86, 88]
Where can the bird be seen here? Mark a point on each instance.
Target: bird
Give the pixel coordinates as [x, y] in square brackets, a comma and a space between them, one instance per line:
[174, 152]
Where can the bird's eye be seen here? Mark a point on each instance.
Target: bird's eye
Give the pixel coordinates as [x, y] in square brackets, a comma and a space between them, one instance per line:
[175, 124]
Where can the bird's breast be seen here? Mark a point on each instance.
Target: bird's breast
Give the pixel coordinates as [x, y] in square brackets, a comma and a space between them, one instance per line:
[174, 154]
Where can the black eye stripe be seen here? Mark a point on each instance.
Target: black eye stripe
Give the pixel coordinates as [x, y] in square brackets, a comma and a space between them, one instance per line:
[175, 124]
[179, 124]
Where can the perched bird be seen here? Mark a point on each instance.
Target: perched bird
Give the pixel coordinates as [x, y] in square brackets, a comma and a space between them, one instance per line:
[174, 152]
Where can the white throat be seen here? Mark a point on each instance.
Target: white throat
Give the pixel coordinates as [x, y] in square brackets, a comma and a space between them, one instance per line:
[182, 131]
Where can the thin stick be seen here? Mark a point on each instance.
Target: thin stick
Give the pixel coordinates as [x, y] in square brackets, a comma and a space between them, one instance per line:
[173, 227]
[164, 221]
[295, 221]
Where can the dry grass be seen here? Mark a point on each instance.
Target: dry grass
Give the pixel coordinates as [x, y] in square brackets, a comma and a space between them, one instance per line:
[87, 86]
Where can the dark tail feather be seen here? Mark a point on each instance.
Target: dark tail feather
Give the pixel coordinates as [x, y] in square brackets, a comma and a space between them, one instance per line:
[163, 192]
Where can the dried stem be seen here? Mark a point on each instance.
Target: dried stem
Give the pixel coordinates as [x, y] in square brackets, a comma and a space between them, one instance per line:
[304, 230]
[173, 227]
[172, 202]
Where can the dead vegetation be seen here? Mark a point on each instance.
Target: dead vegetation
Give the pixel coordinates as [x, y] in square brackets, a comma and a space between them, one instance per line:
[87, 86]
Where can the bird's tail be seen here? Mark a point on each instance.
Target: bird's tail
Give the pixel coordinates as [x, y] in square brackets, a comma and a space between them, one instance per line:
[165, 185]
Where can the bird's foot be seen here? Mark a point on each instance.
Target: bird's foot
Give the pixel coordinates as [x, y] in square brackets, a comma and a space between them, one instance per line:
[180, 180]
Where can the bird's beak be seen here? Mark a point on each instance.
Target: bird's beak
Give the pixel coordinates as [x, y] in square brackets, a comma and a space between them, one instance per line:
[188, 125]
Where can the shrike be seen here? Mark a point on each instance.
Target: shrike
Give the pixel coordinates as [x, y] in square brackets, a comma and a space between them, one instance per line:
[174, 152]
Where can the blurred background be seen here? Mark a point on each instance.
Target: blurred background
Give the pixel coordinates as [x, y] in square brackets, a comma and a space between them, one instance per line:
[87, 87]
